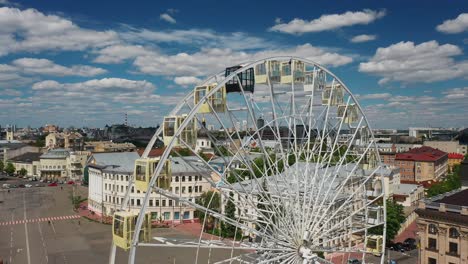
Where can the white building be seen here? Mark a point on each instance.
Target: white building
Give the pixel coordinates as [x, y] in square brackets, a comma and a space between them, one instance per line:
[408, 194]
[62, 164]
[109, 175]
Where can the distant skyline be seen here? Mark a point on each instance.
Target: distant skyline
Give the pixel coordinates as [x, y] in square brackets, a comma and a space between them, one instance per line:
[87, 63]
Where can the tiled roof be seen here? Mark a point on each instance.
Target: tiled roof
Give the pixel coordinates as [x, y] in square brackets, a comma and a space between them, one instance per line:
[120, 161]
[460, 198]
[424, 153]
[56, 154]
[455, 156]
[153, 152]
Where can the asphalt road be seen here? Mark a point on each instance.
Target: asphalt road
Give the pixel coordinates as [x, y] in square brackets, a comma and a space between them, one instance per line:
[27, 237]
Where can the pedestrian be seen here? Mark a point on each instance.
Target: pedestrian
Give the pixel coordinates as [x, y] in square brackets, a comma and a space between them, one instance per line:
[79, 222]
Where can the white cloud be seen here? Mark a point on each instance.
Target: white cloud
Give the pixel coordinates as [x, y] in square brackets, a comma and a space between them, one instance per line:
[196, 37]
[456, 93]
[96, 85]
[409, 63]
[187, 80]
[374, 96]
[211, 60]
[363, 38]
[456, 25]
[47, 67]
[32, 31]
[119, 53]
[166, 17]
[329, 22]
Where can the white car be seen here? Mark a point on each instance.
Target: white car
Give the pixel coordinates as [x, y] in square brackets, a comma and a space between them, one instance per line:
[28, 185]
[6, 186]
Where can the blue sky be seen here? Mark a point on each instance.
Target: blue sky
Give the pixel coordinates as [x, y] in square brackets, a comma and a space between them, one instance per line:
[90, 62]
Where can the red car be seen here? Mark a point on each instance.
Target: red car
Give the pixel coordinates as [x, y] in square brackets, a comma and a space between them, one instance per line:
[70, 182]
[52, 184]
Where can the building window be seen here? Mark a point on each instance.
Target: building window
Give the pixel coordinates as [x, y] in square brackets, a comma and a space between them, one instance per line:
[138, 202]
[132, 202]
[453, 248]
[157, 202]
[176, 189]
[133, 189]
[183, 189]
[170, 202]
[190, 189]
[177, 178]
[126, 178]
[431, 261]
[432, 229]
[453, 233]
[164, 203]
[150, 202]
[189, 178]
[200, 188]
[432, 243]
[183, 178]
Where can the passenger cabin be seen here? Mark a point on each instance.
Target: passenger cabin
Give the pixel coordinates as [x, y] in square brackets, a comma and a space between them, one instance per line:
[172, 123]
[123, 228]
[246, 77]
[350, 113]
[333, 95]
[144, 170]
[314, 80]
[292, 70]
[216, 102]
[268, 68]
[374, 245]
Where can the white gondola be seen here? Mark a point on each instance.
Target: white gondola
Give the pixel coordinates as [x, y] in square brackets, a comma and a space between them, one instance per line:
[333, 95]
[314, 81]
[350, 113]
[144, 170]
[123, 228]
[217, 100]
[292, 70]
[172, 124]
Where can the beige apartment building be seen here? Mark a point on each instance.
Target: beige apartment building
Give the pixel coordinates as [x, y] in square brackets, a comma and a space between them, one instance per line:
[443, 229]
[447, 146]
[422, 164]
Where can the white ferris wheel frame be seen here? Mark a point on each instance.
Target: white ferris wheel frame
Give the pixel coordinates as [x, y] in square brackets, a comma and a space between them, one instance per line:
[193, 112]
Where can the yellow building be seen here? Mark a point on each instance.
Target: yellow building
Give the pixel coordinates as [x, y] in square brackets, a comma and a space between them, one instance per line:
[443, 229]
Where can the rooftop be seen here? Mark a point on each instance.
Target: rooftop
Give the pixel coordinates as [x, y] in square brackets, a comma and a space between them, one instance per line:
[459, 198]
[405, 189]
[27, 157]
[424, 153]
[56, 154]
[116, 161]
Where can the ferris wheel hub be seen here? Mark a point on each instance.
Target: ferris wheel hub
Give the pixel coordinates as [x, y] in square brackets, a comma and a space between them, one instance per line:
[306, 254]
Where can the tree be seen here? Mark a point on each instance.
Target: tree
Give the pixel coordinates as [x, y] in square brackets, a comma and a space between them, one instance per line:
[222, 151]
[23, 172]
[210, 200]
[2, 166]
[86, 176]
[203, 156]
[230, 212]
[395, 217]
[10, 168]
[450, 183]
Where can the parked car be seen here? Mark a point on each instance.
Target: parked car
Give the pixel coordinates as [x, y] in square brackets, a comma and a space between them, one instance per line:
[392, 261]
[21, 186]
[398, 247]
[354, 261]
[52, 184]
[409, 244]
[6, 186]
[70, 182]
[28, 185]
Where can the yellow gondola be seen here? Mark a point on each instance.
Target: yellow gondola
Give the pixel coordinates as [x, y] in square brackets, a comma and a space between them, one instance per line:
[123, 228]
[314, 81]
[217, 100]
[292, 71]
[144, 170]
[351, 115]
[374, 245]
[267, 68]
[333, 95]
[170, 126]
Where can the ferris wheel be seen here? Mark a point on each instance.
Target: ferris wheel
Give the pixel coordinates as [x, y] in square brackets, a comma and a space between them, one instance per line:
[293, 171]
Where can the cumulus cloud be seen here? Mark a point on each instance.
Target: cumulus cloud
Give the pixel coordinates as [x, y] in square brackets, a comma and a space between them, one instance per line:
[166, 17]
[48, 67]
[211, 60]
[452, 26]
[374, 96]
[329, 22]
[101, 85]
[363, 38]
[456, 93]
[187, 80]
[120, 52]
[409, 62]
[32, 31]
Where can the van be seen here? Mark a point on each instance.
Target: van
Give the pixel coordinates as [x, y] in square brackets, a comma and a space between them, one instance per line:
[6, 186]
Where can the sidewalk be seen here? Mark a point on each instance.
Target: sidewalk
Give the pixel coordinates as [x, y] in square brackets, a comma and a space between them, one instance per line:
[83, 211]
[410, 231]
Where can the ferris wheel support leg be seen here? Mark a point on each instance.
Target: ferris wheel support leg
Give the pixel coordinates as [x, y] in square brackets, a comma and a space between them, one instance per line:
[112, 254]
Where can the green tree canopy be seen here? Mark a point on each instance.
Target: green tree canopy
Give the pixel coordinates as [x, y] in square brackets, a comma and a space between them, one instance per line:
[2, 165]
[395, 217]
[23, 172]
[212, 201]
[10, 168]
